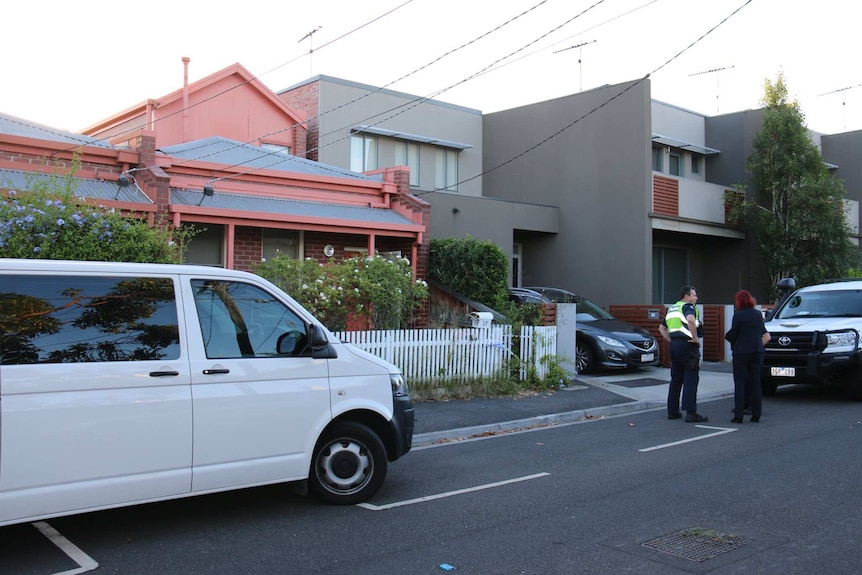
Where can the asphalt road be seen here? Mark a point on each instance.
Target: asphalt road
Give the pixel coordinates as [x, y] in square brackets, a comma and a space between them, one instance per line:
[633, 493]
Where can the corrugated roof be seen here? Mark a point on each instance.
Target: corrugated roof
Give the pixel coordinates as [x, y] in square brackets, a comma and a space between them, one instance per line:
[261, 204]
[19, 127]
[85, 188]
[246, 156]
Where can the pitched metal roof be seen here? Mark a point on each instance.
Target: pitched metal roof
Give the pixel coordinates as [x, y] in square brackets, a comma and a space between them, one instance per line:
[261, 204]
[84, 187]
[18, 127]
[246, 156]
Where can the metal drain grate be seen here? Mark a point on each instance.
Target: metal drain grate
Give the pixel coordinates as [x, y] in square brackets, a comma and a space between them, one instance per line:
[697, 544]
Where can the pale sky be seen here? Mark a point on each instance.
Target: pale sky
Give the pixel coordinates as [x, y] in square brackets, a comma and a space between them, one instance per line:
[70, 64]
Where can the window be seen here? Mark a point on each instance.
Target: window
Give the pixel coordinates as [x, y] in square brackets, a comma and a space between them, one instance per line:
[241, 320]
[77, 319]
[657, 163]
[669, 272]
[516, 265]
[284, 242]
[407, 154]
[446, 169]
[277, 148]
[695, 164]
[675, 164]
[363, 153]
[207, 246]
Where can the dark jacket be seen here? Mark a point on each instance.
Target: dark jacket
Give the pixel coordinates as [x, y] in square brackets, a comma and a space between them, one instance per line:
[746, 331]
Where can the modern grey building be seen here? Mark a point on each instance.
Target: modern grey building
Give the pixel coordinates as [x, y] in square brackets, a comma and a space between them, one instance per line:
[606, 192]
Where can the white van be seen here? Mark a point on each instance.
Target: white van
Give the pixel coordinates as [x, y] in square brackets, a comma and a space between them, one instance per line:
[131, 383]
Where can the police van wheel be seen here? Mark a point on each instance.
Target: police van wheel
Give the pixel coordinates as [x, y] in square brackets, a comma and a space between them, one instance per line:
[348, 465]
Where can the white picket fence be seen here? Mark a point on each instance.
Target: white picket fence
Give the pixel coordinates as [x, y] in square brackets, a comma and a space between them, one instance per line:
[436, 355]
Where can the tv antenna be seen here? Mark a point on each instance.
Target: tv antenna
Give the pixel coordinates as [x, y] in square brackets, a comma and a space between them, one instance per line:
[580, 48]
[310, 48]
[716, 72]
[844, 103]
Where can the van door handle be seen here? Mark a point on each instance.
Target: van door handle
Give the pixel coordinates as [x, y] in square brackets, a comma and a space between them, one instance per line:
[163, 373]
[214, 371]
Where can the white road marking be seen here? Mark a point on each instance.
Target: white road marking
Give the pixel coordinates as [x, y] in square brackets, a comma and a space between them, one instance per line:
[721, 431]
[84, 561]
[372, 507]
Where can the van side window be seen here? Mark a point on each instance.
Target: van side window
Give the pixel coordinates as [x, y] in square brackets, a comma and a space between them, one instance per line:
[73, 319]
[242, 320]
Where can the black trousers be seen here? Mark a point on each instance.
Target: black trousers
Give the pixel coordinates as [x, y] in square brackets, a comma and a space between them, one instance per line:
[684, 376]
[746, 383]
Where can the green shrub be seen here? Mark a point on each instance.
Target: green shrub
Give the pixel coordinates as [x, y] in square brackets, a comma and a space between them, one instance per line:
[48, 222]
[378, 290]
[475, 269]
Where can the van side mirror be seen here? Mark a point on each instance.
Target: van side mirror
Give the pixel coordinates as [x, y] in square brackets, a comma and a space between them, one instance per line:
[320, 347]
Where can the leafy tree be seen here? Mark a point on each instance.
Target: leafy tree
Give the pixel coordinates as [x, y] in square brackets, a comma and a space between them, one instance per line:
[49, 222]
[475, 269]
[798, 216]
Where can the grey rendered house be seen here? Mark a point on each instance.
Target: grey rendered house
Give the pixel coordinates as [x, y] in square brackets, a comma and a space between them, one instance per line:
[606, 192]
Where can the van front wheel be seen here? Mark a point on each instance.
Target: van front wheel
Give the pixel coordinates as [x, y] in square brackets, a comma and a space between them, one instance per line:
[348, 465]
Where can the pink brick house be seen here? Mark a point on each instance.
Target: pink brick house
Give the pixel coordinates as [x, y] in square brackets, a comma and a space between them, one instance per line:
[227, 156]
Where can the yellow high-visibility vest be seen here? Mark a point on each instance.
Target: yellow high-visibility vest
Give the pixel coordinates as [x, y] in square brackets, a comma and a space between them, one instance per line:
[676, 322]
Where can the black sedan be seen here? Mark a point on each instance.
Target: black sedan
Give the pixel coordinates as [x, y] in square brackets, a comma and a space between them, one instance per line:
[602, 340]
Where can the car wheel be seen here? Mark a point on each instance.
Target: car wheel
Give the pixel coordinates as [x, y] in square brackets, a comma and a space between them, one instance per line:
[768, 388]
[348, 465]
[584, 360]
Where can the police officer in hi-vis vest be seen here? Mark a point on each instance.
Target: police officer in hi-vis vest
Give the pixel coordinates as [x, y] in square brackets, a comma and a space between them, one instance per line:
[683, 329]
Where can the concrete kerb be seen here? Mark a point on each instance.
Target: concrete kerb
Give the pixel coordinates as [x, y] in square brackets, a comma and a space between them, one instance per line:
[713, 386]
[472, 432]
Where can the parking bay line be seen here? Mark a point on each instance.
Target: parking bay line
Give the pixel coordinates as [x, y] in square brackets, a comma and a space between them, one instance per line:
[721, 431]
[84, 561]
[372, 507]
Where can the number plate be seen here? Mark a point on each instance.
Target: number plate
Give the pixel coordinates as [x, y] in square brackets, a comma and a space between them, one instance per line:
[647, 357]
[783, 371]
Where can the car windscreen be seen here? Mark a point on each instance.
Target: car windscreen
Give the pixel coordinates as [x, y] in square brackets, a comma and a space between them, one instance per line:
[588, 311]
[832, 303]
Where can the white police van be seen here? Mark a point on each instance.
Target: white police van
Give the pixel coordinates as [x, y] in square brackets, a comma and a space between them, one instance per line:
[131, 383]
[815, 334]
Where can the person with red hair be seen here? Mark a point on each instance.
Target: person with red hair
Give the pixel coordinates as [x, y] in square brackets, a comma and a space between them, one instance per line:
[747, 336]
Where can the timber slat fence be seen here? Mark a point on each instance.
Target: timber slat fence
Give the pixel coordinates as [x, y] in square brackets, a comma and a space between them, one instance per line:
[452, 355]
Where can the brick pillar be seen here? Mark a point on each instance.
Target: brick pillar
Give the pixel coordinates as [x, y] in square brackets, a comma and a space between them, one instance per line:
[152, 180]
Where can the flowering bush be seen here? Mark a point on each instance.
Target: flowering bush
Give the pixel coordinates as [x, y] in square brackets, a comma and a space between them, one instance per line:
[377, 289]
[50, 223]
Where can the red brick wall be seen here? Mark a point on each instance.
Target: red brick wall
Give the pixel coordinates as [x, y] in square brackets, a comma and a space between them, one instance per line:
[306, 99]
[153, 180]
[247, 248]
[316, 241]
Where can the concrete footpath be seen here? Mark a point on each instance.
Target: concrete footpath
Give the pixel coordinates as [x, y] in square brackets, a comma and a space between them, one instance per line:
[587, 397]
